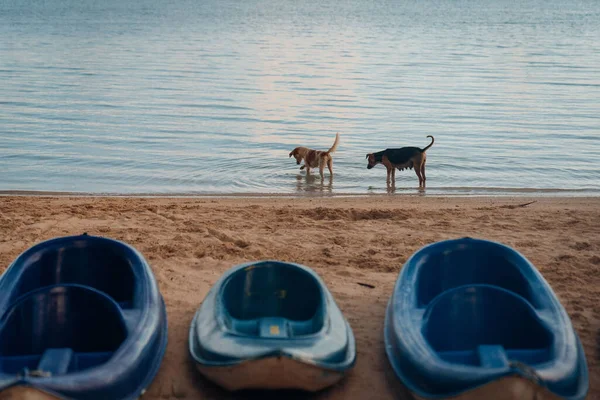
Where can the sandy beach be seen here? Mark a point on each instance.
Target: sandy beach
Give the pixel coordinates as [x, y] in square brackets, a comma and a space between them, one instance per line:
[190, 242]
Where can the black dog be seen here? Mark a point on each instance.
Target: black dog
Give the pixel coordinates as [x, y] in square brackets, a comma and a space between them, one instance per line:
[404, 157]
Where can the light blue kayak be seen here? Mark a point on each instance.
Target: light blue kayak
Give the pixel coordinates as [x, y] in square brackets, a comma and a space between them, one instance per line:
[271, 325]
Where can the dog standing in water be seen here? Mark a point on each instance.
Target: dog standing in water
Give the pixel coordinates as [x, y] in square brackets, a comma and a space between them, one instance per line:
[402, 158]
[316, 158]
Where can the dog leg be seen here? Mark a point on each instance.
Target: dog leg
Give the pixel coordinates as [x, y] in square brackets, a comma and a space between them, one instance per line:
[389, 174]
[423, 172]
[394, 176]
[330, 166]
[391, 188]
[321, 170]
[418, 172]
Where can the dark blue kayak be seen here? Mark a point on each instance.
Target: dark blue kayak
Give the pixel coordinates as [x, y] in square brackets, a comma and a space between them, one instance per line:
[81, 317]
[473, 319]
[271, 325]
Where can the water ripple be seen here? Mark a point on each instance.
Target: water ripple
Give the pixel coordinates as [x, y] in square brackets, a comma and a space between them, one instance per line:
[210, 97]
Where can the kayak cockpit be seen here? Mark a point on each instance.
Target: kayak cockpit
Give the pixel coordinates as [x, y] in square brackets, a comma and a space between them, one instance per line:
[273, 301]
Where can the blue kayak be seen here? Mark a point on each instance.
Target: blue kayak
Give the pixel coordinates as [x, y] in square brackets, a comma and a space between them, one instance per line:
[271, 325]
[474, 319]
[81, 317]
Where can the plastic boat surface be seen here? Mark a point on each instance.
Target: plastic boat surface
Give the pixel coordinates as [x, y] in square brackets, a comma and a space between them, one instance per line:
[81, 317]
[474, 319]
[271, 325]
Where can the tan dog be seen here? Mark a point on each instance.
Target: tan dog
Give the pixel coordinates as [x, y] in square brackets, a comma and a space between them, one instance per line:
[405, 157]
[316, 158]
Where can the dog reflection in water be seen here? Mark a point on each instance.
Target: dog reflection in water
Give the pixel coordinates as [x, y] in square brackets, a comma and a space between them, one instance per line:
[313, 183]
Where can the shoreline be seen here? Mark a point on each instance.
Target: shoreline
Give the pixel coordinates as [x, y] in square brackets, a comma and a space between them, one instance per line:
[190, 242]
[400, 192]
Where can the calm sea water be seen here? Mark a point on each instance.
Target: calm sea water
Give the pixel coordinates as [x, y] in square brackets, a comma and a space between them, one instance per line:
[210, 96]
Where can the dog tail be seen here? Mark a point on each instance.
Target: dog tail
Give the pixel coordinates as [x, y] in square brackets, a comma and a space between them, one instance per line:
[430, 144]
[335, 144]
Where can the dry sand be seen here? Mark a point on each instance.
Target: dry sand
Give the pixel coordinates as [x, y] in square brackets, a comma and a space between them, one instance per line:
[190, 242]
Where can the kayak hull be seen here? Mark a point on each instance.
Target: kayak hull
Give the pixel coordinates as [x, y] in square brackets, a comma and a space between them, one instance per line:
[80, 317]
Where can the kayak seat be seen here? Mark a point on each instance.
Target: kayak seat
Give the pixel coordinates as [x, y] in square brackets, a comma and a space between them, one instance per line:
[485, 325]
[60, 329]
